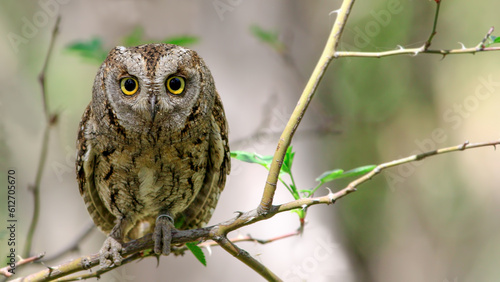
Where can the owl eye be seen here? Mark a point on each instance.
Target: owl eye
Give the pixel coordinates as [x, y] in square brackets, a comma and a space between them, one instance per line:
[175, 85]
[129, 85]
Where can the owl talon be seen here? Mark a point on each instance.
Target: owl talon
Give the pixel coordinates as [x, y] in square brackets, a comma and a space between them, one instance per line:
[110, 253]
[163, 234]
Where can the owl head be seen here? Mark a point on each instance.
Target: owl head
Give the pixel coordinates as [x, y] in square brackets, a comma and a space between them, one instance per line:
[154, 85]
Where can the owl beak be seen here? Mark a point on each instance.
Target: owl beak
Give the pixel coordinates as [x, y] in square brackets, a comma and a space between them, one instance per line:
[152, 101]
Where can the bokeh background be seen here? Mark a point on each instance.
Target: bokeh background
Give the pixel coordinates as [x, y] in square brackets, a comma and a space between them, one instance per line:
[436, 220]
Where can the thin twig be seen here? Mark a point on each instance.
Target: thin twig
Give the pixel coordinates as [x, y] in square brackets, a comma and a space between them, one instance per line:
[50, 121]
[245, 257]
[414, 51]
[5, 271]
[464, 146]
[434, 26]
[303, 103]
[488, 34]
[422, 50]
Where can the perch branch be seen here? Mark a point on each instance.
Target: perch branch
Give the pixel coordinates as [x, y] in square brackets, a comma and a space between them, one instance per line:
[136, 247]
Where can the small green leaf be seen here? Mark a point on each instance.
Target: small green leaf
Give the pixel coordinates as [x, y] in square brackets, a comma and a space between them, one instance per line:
[91, 49]
[288, 161]
[134, 38]
[492, 40]
[252, 158]
[300, 212]
[268, 37]
[264, 160]
[181, 40]
[330, 175]
[197, 252]
[359, 171]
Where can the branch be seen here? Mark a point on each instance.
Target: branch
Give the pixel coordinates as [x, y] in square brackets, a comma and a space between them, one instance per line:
[245, 257]
[423, 49]
[50, 121]
[415, 51]
[5, 270]
[303, 103]
[462, 147]
[434, 25]
[134, 249]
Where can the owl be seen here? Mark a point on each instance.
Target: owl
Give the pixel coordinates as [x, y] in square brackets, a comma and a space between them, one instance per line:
[152, 148]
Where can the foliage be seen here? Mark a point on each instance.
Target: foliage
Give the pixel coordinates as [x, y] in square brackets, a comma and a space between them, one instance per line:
[197, 252]
[268, 37]
[286, 169]
[94, 50]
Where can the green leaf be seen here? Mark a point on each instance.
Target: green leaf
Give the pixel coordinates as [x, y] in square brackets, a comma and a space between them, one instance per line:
[181, 40]
[288, 161]
[252, 158]
[91, 49]
[197, 252]
[328, 176]
[134, 38]
[268, 37]
[300, 212]
[359, 171]
[492, 40]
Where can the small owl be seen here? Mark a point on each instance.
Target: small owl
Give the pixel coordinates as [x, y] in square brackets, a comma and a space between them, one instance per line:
[152, 146]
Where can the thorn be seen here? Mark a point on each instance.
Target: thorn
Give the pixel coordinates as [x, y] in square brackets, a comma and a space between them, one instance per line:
[209, 250]
[239, 213]
[157, 261]
[334, 12]
[400, 47]
[463, 46]
[330, 195]
[464, 145]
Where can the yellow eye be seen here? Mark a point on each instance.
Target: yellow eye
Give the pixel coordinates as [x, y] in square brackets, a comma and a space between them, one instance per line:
[175, 85]
[129, 85]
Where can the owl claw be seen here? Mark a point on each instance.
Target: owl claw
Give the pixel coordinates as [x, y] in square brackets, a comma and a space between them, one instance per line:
[110, 253]
[163, 234]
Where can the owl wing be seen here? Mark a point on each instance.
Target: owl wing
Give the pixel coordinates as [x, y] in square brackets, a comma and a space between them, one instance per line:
[85, 167]
[199, 212]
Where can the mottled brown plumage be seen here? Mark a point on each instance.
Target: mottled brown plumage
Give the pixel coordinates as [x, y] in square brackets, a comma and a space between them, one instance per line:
[147, 158]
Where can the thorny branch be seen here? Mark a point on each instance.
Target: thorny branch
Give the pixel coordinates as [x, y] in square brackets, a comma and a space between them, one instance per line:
[137, 249]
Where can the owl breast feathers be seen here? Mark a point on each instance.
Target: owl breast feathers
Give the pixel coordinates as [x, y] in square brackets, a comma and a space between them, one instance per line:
[152, 142]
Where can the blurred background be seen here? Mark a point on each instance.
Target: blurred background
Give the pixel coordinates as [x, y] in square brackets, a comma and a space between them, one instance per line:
[436, 220]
